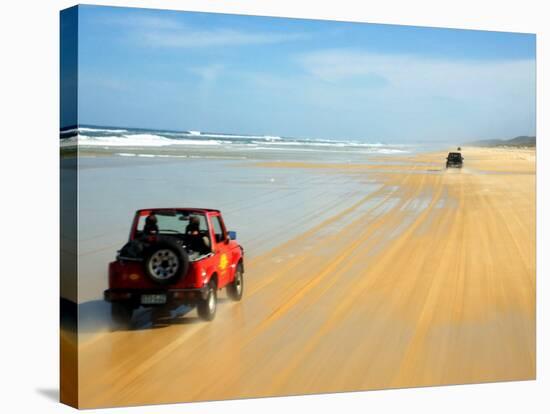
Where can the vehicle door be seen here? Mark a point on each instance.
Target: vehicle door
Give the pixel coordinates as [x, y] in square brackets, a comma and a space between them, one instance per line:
[221, 249]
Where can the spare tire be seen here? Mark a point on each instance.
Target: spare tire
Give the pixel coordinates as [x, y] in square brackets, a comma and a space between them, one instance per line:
[165, 262]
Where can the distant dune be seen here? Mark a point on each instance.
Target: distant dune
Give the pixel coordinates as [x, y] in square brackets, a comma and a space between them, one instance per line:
[521, 141]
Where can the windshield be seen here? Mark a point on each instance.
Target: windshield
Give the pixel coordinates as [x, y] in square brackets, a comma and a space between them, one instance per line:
[175, 222]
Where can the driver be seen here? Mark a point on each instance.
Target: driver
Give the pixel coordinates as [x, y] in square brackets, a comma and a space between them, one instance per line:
[197, 242]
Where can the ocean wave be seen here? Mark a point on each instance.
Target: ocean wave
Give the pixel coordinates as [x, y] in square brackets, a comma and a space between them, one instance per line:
[302, 149]
[69, 142]
[239, 137]
[139, 140]
[114, 131]
[129, 154]
[104, 137]
[391, 151]
[327, 145]
[151, 140]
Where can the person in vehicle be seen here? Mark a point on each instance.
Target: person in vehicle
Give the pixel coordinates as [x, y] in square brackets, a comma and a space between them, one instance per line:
[196, 241]
[151, 226]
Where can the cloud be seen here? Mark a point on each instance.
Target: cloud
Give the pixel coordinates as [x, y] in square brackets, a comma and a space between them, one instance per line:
[104, 81]
[413, 75]
[155, 31]
[410, 96]
[208, 76]
[208, 73]
[138, 21]
[193, 38]
[167, 32]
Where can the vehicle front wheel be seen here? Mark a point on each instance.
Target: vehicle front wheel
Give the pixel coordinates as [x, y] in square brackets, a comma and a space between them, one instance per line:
[121, 315]
[235, 289]
[207, 307]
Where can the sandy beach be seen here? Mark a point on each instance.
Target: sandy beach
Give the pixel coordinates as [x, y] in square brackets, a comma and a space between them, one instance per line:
[406, 274]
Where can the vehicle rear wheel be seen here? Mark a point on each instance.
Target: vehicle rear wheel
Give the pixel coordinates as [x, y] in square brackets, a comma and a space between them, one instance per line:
[235, 289]
[207, 307]
[121, 315]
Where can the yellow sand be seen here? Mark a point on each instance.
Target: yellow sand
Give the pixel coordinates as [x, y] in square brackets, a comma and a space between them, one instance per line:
[68, 368]
[428, 281]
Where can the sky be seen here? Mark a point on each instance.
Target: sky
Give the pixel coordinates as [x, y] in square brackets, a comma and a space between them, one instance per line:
[302, 78]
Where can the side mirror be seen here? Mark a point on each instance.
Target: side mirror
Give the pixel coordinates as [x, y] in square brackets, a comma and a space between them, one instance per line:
[232, 235]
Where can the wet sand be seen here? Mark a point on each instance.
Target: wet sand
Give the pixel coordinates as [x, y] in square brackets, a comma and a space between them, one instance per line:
[428, 279]
[266, 206]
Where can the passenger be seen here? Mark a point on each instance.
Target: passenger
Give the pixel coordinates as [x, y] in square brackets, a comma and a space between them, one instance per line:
[193, 227]
[151, 227]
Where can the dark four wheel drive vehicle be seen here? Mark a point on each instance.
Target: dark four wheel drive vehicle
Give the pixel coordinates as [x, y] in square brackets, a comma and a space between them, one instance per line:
[454, 159]
[175, 256]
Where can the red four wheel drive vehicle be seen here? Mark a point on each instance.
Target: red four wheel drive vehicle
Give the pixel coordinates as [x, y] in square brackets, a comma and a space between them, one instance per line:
[175, 256]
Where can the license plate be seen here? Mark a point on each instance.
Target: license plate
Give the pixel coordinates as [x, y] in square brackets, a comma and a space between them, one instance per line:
[154, 299]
